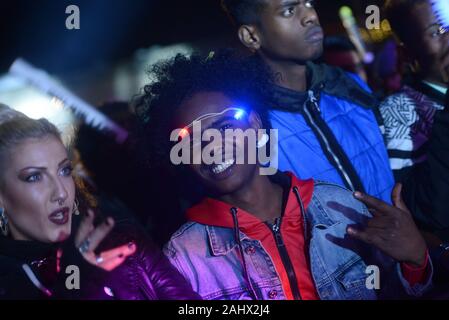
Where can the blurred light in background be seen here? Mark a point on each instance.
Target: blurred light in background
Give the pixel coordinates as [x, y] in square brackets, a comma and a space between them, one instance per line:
[22, 97]
[441, 9]
[132, 75]
[354, 32]
[377, 35]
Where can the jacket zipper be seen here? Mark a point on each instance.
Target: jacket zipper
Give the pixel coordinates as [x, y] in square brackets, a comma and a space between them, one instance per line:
[276, 229]
[306, 236]
[313, 102]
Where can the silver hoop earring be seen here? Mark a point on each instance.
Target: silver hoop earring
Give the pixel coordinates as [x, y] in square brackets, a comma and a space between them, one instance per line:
[3, 222]
[262, 141]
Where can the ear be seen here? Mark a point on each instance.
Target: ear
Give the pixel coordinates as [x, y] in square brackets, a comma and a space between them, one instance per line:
[406, 58]
[249, 37]
[1, 200]
[403, 53]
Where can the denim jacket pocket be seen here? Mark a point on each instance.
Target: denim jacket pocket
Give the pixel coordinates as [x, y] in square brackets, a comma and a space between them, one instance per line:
[352, 282]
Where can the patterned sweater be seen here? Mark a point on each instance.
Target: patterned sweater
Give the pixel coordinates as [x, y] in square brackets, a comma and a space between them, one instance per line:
[408, 117]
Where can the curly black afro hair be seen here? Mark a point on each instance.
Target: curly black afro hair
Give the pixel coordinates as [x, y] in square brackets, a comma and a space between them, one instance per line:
[243, 79]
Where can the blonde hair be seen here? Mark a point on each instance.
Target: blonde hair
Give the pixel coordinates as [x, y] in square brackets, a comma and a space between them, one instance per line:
[6, 113]
[15, 127]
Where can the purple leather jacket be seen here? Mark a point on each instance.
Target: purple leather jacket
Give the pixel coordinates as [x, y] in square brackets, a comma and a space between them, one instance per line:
[147, 275]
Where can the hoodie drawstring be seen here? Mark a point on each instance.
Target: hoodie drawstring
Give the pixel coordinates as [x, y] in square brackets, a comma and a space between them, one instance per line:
[243, 261]
[237, 239]
[303, 212]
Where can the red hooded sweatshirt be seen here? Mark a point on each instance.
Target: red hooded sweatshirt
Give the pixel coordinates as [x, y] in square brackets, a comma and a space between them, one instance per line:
[291, 259]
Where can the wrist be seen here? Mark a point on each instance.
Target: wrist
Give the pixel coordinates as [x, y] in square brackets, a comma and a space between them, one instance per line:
[420, 261]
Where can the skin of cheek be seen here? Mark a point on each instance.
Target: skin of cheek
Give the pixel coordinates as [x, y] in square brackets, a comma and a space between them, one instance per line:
[242, 172]
[282, 37]
[30, 211]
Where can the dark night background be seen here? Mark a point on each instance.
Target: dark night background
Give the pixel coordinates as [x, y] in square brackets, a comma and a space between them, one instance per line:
[112, 30]
[90, 60]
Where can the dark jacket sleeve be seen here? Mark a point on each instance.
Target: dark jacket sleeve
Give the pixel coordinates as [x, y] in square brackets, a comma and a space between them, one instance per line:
[168, 283]
[426, 186]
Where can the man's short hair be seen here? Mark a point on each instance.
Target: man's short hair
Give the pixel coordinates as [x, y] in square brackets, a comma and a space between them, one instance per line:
[243, 11]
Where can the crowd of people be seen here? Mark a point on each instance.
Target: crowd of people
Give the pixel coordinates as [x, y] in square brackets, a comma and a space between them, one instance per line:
[356, 181]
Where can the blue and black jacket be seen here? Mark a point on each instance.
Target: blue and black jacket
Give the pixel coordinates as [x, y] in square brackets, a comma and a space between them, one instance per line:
[332, 132]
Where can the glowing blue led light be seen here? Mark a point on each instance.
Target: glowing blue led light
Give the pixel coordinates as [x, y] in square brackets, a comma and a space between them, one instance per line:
[239, 114]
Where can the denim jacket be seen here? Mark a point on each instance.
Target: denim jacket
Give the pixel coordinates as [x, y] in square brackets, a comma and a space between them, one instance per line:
[208, 257]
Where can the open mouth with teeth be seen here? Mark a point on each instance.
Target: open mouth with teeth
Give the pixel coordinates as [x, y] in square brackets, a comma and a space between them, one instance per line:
[222, 167]
[60, 216]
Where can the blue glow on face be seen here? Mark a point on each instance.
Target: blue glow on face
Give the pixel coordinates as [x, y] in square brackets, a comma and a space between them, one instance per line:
[239, 114]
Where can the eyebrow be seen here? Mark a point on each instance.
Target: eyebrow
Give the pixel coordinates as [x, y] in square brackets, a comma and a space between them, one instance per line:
[44, 168]
[63, 161]
[217, 122]
[288, 3]
[435, 24]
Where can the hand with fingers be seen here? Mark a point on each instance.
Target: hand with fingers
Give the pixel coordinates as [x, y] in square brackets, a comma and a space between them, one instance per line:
[392, 229]
[89, 237]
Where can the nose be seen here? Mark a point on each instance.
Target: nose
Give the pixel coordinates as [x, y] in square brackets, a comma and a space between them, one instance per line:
[309, 17]
[60, 193]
